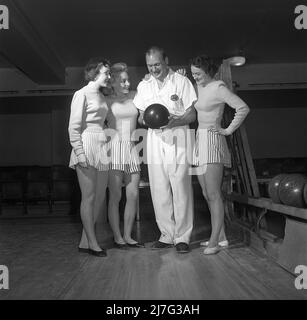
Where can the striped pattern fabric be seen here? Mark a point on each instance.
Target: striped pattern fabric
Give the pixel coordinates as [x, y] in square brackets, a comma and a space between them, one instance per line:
[95, 149]
[124, 156]
[210, 147]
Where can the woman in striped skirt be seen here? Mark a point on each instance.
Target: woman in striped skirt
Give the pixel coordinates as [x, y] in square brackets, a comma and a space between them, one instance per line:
[211, 153]
[88, 156]
[124, 164]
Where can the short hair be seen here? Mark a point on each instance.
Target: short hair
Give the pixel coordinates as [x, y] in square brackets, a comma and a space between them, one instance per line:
[118, 68]
[204, 62]
[93, 67]
[155, 49]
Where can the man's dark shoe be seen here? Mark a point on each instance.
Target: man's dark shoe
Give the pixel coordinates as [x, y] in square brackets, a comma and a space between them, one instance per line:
[182, 247]
[160, 245]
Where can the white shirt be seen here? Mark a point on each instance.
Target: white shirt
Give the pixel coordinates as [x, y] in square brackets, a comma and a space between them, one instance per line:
[176, 94]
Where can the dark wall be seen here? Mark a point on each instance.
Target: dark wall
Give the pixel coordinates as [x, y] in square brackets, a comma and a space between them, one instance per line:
[277, 132]
[33, 131]
[276, 125]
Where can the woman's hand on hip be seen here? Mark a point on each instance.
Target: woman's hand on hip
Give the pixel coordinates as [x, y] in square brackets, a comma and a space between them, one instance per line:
[220, 131]
[82, 161]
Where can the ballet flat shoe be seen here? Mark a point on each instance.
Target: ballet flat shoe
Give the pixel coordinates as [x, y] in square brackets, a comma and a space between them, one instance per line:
[212, 250]
[222, 244]
[123, 246]
[83, 250]
[136, 245]
[95, 253]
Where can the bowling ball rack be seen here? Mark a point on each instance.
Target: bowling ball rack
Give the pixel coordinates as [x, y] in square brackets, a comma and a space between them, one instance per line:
[288, 252]
[247, 209]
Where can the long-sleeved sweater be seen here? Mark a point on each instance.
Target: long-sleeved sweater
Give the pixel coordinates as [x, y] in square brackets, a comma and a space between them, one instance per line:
[88, 111]
[210, 106]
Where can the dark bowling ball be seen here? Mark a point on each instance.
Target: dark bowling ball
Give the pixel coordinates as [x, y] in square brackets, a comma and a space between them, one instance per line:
[274, 186]
[291, 190]
[156, 116]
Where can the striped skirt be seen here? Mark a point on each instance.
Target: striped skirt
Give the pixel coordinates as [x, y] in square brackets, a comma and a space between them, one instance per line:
[210, 147]
[123, 156]
[95, 149]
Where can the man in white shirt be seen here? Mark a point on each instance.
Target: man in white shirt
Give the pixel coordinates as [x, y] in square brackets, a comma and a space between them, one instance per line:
[170, 182]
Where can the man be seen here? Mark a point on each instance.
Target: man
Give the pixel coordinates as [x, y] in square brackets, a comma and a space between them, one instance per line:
[170, 182]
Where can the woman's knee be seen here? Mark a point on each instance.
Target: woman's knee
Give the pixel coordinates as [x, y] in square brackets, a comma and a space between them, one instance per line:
[132, 195]
[214, 195]
[115, 195]
[87, 200]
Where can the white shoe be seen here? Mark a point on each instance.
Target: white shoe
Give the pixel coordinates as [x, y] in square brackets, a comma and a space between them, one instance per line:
[222, 244]
[212, 250]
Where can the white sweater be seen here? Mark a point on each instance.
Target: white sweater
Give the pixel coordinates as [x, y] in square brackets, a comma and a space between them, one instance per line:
[211, 102]
[88, 111]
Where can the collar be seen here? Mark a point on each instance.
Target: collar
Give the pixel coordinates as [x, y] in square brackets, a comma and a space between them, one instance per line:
[170, 73]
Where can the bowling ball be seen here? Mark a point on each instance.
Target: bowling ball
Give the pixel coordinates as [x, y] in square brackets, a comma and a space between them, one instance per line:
[274, 186]
[156, 116]
[291, 190]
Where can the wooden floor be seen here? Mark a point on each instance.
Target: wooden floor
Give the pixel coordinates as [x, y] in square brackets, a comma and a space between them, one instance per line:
[43, 262]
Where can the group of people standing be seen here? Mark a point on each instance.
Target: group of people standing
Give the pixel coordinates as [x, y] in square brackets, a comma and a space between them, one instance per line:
[92, 113]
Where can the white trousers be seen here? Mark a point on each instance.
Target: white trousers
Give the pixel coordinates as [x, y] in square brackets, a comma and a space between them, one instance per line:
[170, 184]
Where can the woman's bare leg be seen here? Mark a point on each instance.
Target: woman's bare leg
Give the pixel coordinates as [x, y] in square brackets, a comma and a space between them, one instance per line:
[132, 192]
[115, 194]
[87, 178]
[100, 193]
[211, 183]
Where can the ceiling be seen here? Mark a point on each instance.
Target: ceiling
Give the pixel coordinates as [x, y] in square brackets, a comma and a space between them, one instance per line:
[52, 34]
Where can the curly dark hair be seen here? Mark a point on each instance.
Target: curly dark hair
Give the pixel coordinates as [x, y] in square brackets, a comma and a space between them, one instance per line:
[93, 67]
[204, 62]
